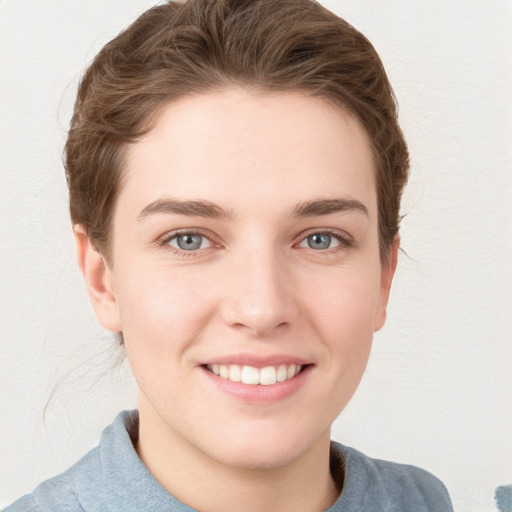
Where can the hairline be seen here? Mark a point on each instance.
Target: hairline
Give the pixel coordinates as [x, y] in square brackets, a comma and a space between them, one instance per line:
[343, 108]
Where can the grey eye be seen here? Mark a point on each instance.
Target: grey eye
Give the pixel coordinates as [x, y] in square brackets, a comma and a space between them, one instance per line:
[188, 241]
[319, 241]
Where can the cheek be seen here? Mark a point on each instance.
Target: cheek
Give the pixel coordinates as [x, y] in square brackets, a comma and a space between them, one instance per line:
[162, 311]
[347, 294]
[162, 319]
[343, 311]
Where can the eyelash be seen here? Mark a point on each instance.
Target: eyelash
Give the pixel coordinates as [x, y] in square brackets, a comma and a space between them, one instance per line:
[345, 241]
[166, 239]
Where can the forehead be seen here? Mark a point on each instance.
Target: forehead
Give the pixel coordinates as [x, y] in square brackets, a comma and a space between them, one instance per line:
[240, 148]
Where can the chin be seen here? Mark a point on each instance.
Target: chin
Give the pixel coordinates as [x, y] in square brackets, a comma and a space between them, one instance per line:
[255, 458]
[267, 449]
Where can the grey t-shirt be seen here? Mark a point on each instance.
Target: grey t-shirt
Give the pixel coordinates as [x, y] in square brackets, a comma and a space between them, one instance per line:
[111, 477]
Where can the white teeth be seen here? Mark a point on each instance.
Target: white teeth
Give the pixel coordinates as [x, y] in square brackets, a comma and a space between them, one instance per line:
[281, 373]
[268, 376]
[253, 376]
[235, 374]
[250, 375]
[224, 371]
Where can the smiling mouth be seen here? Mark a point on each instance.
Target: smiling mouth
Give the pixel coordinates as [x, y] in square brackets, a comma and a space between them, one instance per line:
[256, 376]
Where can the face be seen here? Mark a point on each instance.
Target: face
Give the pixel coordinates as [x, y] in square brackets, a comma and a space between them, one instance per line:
[245, 272]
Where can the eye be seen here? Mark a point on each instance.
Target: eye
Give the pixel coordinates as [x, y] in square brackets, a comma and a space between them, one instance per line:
[189, 241]
[321, 241]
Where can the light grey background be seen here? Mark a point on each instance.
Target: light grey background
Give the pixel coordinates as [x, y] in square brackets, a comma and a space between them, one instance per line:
[437, 392]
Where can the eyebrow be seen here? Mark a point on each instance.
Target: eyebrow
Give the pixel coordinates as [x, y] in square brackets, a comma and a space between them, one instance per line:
[197, 208]
[317, 207]
[202, 208]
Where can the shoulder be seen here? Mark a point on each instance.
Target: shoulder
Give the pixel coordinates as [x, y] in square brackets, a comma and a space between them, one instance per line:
[85, 484]
[378, 485]
[60, 493]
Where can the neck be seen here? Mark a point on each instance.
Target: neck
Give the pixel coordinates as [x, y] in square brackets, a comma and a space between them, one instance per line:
[203, 483]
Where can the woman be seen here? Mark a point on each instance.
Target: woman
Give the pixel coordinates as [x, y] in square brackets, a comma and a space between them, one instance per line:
[235, 172]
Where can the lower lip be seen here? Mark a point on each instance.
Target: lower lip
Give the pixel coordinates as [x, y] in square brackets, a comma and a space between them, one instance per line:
[258, 393]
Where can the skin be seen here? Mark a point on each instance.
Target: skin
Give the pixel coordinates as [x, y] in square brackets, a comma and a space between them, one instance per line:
[254, 289]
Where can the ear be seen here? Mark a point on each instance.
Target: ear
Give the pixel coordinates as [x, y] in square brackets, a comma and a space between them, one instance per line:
[98, 281]
[386, 278]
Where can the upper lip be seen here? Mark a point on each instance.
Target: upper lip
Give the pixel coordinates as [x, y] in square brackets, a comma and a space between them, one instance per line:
[257, 361]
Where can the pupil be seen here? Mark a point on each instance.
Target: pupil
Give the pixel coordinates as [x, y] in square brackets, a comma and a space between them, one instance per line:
[189, 242]
[319, 241]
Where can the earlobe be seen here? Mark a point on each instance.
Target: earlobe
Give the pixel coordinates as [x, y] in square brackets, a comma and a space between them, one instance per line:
[98, 281]
[386, 278]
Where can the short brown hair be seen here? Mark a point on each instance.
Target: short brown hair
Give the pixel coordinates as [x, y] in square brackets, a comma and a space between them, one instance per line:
[182, 48]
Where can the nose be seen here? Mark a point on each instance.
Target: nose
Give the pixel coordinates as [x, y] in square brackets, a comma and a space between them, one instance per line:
[259, 295]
